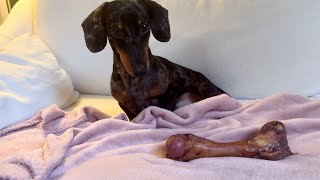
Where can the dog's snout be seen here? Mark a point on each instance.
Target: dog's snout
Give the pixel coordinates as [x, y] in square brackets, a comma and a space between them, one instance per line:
[139, 70]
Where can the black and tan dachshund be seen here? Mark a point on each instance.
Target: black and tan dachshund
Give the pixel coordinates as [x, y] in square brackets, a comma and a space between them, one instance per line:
[140, 79]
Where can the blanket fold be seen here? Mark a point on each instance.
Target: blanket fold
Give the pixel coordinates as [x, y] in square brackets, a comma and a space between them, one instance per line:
[88, 144]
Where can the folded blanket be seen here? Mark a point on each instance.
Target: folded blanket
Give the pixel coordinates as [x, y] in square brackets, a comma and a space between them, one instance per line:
[88, 144]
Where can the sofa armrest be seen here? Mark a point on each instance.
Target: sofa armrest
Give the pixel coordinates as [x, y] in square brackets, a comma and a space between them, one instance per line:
[19, 21]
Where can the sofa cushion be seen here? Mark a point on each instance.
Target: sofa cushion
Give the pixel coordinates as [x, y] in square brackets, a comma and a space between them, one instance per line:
[58, 24]
[249, 48]
[30, 80]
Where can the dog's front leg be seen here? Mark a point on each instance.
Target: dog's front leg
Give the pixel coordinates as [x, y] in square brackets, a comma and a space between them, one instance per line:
[128, 113]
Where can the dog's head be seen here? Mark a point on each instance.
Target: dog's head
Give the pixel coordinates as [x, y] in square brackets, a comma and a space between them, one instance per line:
[127, 25]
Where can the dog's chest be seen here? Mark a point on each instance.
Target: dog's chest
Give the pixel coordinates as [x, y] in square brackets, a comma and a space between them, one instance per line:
[138, 92]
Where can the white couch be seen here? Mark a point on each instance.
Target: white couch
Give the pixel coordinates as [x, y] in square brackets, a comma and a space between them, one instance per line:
[249, 48]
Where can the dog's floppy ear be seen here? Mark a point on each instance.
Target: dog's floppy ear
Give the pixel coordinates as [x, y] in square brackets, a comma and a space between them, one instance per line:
[160, 26]
[95, 33]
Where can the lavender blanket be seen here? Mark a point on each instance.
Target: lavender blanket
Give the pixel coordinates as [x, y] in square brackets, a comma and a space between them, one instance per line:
[88, 144]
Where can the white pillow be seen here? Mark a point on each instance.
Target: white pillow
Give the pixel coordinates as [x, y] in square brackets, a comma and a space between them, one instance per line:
[18, 22]
[30, 80]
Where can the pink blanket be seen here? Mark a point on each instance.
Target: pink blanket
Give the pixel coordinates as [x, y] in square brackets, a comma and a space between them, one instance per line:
[90, 145]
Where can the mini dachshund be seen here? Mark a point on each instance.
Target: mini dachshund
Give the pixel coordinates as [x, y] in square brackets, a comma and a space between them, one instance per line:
[140, 79]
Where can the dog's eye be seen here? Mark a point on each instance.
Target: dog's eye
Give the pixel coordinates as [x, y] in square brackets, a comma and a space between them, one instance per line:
[115, 32]
[145, 28]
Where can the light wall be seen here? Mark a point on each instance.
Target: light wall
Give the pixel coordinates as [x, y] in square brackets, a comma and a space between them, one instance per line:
[12, 2]
[3, 10]
[5, 7]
